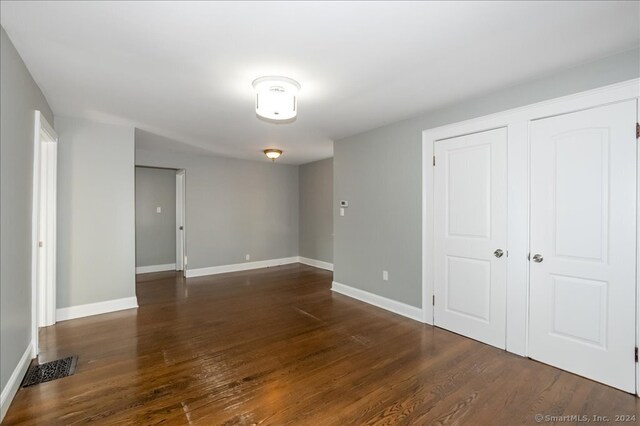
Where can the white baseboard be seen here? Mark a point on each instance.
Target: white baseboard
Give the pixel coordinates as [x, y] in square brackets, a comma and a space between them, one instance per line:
[79, 311]
[12, 386]
[316, 263]
[240, 267]
[379, 301]
[155, 268]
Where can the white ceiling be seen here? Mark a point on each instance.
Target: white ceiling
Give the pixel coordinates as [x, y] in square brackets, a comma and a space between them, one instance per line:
[184, 70]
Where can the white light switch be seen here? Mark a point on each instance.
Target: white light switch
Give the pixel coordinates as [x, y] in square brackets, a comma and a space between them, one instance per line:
[341, 211]
[385, 276]
[158, 209]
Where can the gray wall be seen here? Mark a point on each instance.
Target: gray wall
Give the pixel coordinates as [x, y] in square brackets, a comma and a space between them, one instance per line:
[379, 173]
[155, 232]
[19, 98]
[96, 212]
[234, 207]
[316, 212]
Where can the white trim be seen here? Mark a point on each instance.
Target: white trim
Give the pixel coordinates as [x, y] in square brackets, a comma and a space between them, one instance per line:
[13, 384]
[637, 252]
[379, 301]
[517, 121]
[155, 268]
[316, 263]
[427, 227]
[80, 311]
[212, 270]
[50, 133]
[35, 222]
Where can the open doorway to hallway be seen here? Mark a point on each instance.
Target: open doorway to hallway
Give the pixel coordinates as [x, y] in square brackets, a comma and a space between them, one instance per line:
[160, 220]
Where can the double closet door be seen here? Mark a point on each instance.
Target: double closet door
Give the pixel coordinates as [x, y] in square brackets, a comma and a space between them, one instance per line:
[582, 271]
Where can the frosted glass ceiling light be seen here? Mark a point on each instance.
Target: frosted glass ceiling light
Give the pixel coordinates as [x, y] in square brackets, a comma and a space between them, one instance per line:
[276, 97]
[272, 153]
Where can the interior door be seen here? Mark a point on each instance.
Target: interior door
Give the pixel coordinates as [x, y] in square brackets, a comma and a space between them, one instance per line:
[583, 243]
[470, 235]
[46, 273]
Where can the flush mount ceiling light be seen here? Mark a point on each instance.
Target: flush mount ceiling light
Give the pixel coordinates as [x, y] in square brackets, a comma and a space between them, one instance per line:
[272, 153]
[276, 97]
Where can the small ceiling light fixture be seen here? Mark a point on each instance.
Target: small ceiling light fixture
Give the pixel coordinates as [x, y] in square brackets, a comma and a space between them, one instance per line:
[272, 153]
[276, 97]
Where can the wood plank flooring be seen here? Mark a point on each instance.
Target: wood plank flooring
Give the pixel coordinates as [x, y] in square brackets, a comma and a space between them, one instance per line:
[275, 346]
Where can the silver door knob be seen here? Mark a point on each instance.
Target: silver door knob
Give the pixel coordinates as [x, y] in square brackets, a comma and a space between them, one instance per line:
[498, 253]
[538, 258]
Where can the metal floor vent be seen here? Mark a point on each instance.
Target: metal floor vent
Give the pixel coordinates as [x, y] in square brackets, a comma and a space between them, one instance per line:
[50, 371]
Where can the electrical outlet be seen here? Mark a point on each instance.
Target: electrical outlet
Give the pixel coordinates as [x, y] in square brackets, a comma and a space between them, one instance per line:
[247, 257]
[385, 275]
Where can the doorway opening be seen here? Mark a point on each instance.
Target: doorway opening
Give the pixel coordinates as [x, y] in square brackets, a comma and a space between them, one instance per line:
[160, 219]
[43, 259]
[181, 257]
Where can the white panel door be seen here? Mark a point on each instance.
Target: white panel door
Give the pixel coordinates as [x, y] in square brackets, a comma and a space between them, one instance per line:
[583, 243]
[470, 235]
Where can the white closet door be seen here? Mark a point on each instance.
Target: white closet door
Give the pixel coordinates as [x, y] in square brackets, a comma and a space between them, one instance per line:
[583, 243]
[470, 230]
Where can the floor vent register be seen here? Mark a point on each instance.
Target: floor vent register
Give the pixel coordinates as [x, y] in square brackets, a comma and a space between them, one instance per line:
[48, 371]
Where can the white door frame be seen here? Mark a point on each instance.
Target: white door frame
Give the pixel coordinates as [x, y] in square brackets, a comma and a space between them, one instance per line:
[517, 122]
[638, 252]
[181, 227]
[43, 228]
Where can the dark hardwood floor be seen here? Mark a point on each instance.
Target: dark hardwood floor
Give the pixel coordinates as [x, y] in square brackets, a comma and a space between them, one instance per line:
[275, 346]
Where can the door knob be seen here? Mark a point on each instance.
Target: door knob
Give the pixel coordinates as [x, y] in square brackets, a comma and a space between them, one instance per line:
[538, 258]
[498, 253]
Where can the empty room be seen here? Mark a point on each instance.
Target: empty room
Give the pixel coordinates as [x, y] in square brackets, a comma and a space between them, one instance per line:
[319, 212]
